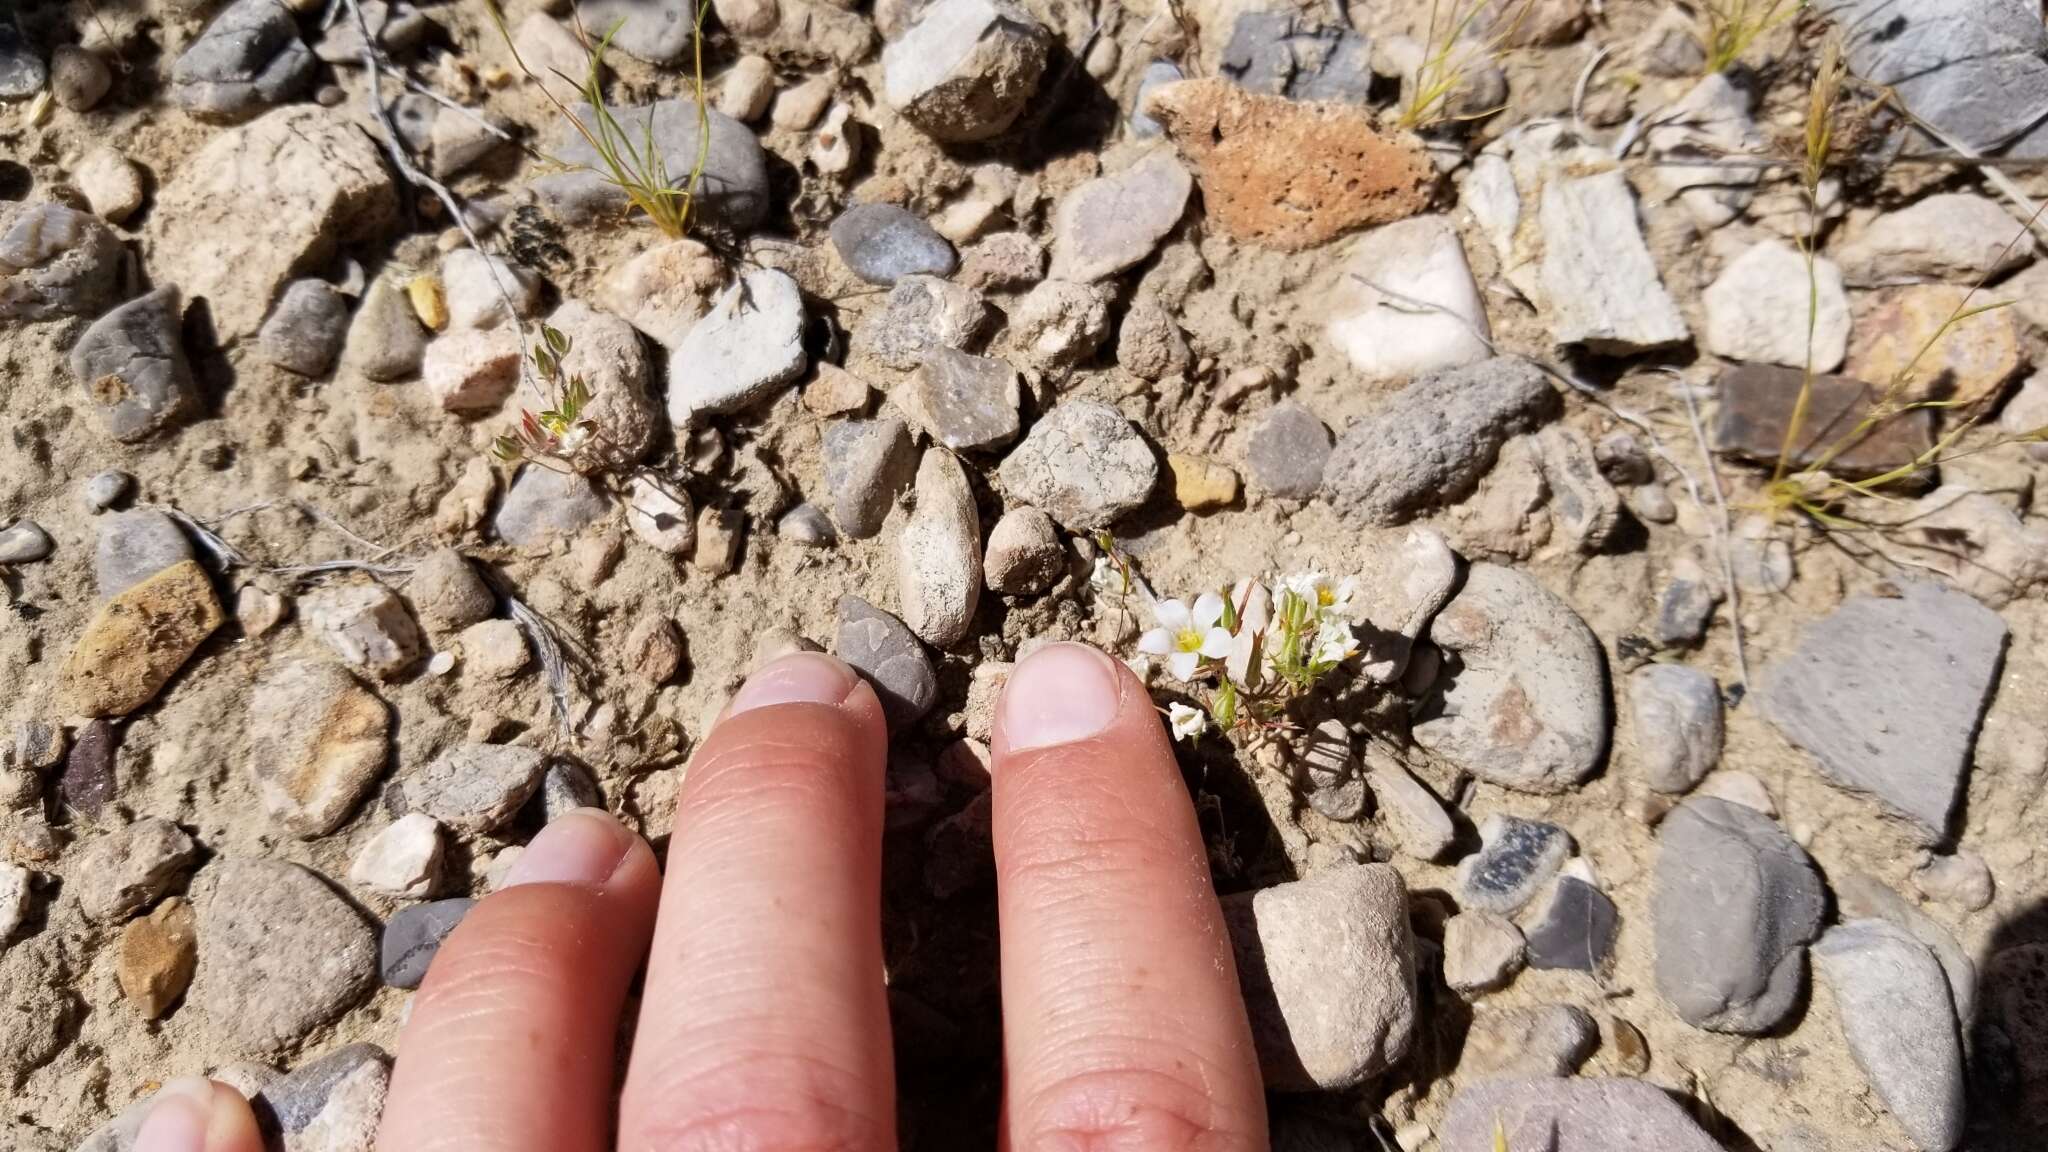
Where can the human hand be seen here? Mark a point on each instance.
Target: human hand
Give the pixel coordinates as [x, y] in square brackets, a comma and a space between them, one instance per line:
[764, 1021]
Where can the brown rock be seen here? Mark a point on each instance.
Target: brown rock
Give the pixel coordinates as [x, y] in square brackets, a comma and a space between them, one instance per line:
[1291, 175]
[1898, 343]
[137, 641]
[1201, 484]
[88, 780]
[156, 956]
[1756, 406]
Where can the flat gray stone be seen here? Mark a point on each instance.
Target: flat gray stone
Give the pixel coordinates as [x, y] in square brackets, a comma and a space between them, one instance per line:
[545, 505]
[1157, 74]
[1288, 54]
[1115, 222]
[657, 31]
[248, 59]
[1677, 714]
[1515, 860]
[1886, 694]
[732, 191]
[131, 364]
[1571, 1115]
[280, 953]
[56, 261]
[1684, 609]
[1895, 1012]
[295, 1098]
[1083, 464]
[1430, 443]
[305, 330]
[1528, 708]
[883, 243]
[868, 464]
[385, 340]
[1287, 452]
[1736, 901]
[1574, 928]
[1972, 68]
[887, 654]
[1327, 964]
[747, 348]
[1600, 285]
[413, 935]
[475, 788]
[963, 401]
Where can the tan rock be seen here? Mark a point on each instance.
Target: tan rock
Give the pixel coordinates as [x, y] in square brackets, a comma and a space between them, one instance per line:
[1291, 175]
[836, 392]
[318, 741]
[1200, 484]
[156, 956]
[1897, 339]
[137, 641]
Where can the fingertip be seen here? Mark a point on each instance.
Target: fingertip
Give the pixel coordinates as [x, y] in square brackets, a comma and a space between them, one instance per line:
[795, 678]
[194, 1114]
[1061, 694]
[585, 847]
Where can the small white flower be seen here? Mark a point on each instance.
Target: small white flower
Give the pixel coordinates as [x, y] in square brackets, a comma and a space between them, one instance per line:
[1325, 596]
[1185, 636]
[1186, 723]
[1106, 577]
[1334, 643]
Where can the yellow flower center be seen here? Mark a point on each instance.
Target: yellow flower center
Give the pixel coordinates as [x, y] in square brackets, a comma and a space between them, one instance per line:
[1188, 640]
[1325, 597]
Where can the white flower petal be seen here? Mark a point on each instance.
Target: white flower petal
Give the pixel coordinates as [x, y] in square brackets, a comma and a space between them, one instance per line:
[1186, 723]
[1216, 644]
[1208, 610]
[1157, 642]
[1172, 615]
[1182, 665]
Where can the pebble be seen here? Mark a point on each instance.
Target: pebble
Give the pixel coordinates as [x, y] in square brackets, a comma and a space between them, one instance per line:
[385, 341]
[1926, 661]
[966, 69]
[14, 899]
[475, 788]
[1201, 484]
[1290, 176]
[493, 650]
[1684, 609]
[1327, 965]
[1149, 344]
[1114, 222]
[79, 79]
[134, 546]
[1482, 951]
[1543, 1040]
[477, 288]
[1756, 407]
[836, 144]
[1959, 237]
[1059, 324]
[132, 366]
[1003, 261]
[397, 27]
[545, 505]
[366, 624]
[1575, 1114]
[306, 330]
[808, 525]
[300, 1098]
[1024, 556]
[1977, 541]
[888, 656]
[1677, 714]
[654, 649]
[403, 861]
[1515, 860]
[1893, 1001]
[733, 189]
[567, 786]
[920, 314]
[938, 555]
[106, 489]
[1432, 441]
[22, 71]
[137, 641]
[88, 780]
[1405, 304]
[1736, 901]
[659, 513]
[1421, 827]
[962, 401]
[1738, 788]
[657, 31]
[833, 391]
[664, 290]
[1961, 879]
[1083, 464]
[56, 261]
[1156, 75]
[248, 59]
[121, 872]
[469, 370]
[155, 957]
[1600, 287]
[882, 243]
[1575, 926]
[746, 89]
[448, 593]
[1584, 507]
[798, 106]
[719, 531]
[413, 935]
[868, 464]
[1859, 897]
[1902, 341]
[112, 183]
[25, 542]
[1287, 452]
[1528, 710]
[746, 349]
[1757, 309]
[317, 743]
[1327, 772]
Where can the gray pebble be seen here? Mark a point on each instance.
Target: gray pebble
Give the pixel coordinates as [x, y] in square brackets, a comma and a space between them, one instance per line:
[280, 953]
[1516, 858]
[248, 59]
[131, 364]
[1157, 74]
[1677, 713]
[733, 189]
[545, 505]
[808, 525]
[1684, 609]
[565, 787]
[1574, 929]
[868, 464]
[413, 935]
[385, 340]
[882, 243]
[1570, 1115]
[135, 545]
[57, 261]
[1287, 452]
[889, 656]
[78, 77]
[306, 329]
[25, 542]
[475, 787]
[1083, 464]
[292, 1100]
[106, 489]
[919, 314]
[1895, 1013]
[963, 401]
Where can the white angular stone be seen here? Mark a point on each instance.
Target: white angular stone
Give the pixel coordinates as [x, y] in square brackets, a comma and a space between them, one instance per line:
[1757, 309]
[745, 350]
[402, 861]
[1405, 303]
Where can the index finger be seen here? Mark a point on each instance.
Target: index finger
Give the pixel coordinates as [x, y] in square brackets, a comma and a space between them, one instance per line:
[1123, 1025]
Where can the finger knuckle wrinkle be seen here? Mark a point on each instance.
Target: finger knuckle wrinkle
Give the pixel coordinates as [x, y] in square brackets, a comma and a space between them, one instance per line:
[1124, 1111]
[815, 1127]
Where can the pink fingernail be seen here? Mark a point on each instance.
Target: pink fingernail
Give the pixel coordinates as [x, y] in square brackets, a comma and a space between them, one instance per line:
[178, 1117]
[798, 678]
[1059, 694]
[582, 847]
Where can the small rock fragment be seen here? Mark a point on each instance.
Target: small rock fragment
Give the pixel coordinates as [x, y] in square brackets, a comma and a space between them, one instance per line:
[403, 861]
[922, 313]
[1083, 464]
[888, 655]
[546, 505]
[412, 937]
[808, 525]
[471, 370]
[1412, 812]
[1757, 402]
[88, 780]
[1482, 951]
[1910, 345]
[660, 514]
[25, 542]
[1515, 860]
[134, 546]
[493, 649]
[156, 956]
[305, 330]
[882, 243]
[964, 402]
[1024, 556]
[385, 341]
[1575, 926]
[1545, 1040]
[1059, 324]
[1601, 288]
[317, 745]
[1961, 879]
[654, 649]
[1570, 1115]
[475, 788]
[112, 183]
[657, 31]
[938, 557]
[1406, 305]
[57, 261]
[1677, 714]
[137, 641]
[121, 872]
[132, 366]
[732, 190]
[868, 464]
[1114, 222]
[965, 70]
[478, 288]
[719, 531]
[1583, 505]
[249, 58]
[1757, 309]
[606, 352]
[743, 351]
[746, 89]
[367, 625]
[1288, 451]
[448, 593]
[1959, 237]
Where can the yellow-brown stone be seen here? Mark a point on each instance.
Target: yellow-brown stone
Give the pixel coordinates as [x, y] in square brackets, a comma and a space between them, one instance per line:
[156, 956]
[1200, 484]
[1899, 340]
[137, 641]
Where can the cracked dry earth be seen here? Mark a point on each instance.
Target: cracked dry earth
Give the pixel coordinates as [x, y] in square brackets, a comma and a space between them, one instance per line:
[1643, 819]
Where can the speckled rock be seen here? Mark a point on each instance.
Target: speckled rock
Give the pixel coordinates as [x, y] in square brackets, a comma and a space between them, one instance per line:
[474, 788]
[1287, 452]
[121, 872]
[1895, 1012]
[1083, 464]
[135, 545]
[137, 641]
[1024, 557]
[868, 464]
[1516, 859]
[883, 243]
[131, 364]
[1677, 715]
[280, 953]
[366, 624]
[938, 556]
[1114, 222]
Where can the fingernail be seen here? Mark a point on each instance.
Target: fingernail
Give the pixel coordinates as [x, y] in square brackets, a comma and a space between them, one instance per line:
[178, 1117]
[583, 847]
[798, 678]
[1059, 694]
